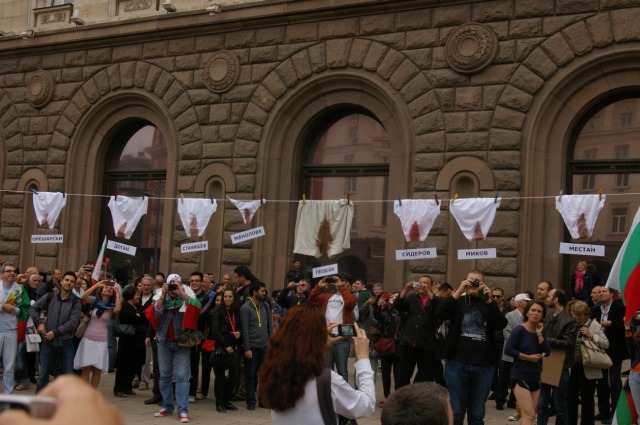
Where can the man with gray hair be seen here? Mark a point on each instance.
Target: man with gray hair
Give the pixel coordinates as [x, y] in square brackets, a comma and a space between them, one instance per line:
[15, 307]
[423, 403]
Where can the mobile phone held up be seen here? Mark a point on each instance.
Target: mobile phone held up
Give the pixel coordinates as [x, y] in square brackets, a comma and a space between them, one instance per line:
[346, 330]
[34, 406]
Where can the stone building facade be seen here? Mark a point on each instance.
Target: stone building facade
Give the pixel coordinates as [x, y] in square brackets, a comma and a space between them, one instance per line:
[476, 98]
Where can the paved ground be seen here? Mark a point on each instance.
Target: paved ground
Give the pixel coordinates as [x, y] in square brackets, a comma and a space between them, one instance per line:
[203, 411]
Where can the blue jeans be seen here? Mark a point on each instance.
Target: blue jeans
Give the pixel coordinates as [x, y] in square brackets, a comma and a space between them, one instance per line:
[559, 401]
[22, 370]
[339, 355]
[9, 349]
[174, 361]
[63, 353]
[468, 386]
[251, 367]
[634, 384]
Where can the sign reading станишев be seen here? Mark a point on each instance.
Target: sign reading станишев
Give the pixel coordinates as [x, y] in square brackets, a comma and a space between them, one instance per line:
[47, 238]
[413, 254]
[195, 246]
[329, 270]
[472, 254]
[581, 249]
[247, 234]
[120, 247]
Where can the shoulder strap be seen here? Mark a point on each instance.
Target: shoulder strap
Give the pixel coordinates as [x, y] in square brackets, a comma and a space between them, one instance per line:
[49, 297]
[323, 386]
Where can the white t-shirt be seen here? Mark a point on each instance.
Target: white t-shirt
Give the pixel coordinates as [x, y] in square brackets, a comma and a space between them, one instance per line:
[335, 305]
[347, 401]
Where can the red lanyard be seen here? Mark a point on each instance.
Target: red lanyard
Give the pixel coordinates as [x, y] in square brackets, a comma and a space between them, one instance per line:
[232, 320]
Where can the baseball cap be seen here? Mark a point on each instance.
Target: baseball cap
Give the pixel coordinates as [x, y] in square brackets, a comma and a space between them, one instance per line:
[522, 297]
[173, 277]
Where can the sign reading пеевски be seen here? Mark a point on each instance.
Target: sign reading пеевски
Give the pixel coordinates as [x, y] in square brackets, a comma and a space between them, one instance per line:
[328, 270]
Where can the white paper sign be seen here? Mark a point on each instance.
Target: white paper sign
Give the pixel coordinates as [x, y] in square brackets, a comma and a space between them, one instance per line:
[414, 254]
[247, 235]
[330, 270]
[581, 249]
[472, 254]
[120, 247]
[195, 246]
[47, 238]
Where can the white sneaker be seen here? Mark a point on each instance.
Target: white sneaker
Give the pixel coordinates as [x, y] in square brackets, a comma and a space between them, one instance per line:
[514, 418]
[192, 399]
[183, 418]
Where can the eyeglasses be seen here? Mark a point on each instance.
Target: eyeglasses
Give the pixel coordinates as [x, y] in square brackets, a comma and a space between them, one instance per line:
[10, 270]
[195, 280]
[496, 296]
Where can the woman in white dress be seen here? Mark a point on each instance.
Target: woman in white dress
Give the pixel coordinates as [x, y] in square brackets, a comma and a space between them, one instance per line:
[92, 357]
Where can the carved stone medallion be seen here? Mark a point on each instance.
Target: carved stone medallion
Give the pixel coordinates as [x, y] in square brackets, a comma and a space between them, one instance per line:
[40, 88]
[471, 48]
[221, 71]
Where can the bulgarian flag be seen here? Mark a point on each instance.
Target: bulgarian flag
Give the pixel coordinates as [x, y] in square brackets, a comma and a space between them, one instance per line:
[97, 268]
[625, 273]
[625, 410]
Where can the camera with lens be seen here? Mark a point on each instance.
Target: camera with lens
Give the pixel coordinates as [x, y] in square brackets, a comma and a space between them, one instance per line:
[475, 284]
[330, 279]
[173, 286]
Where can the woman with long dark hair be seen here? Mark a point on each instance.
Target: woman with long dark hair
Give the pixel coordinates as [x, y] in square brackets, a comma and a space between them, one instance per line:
[131, 349]
[92, 357]
[296, 357]
[225, 330]
[527, 344]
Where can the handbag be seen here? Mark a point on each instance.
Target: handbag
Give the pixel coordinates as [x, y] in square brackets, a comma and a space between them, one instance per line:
[387, 346]
[323, 387]
[222, 359]
[82, 326]
[124, 329]
[32, 341]
[594, 356]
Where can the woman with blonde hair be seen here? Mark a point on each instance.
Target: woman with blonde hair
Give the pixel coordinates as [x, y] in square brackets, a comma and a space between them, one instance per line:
[582, 381]
[297, 357]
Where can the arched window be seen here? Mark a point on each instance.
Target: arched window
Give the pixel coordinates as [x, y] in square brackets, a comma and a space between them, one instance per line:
[349, 155]
[606, 155]
[136, 166]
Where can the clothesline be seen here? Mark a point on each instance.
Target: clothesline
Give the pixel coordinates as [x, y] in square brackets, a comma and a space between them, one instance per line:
[358, 201]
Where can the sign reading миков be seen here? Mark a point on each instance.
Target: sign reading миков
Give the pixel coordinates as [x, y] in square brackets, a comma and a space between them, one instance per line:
[414, 254]
[473, 254]
[329, 270]
[195, 246]
[47, 238]
[581, 249]
[120, 247]
[247, 235]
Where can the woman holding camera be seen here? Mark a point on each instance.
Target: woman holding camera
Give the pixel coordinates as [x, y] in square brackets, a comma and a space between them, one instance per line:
[389, 324]
[527, 344]
[92, 357]
[296, 359]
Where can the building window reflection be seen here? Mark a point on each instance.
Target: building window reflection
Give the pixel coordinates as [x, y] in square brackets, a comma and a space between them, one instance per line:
[137, 167]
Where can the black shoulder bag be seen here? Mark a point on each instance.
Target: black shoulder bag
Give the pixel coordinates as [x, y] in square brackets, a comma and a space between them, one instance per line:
[323, 386]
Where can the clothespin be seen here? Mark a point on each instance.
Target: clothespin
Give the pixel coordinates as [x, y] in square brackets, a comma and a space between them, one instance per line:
[436, 196]
[600, 199]
[143, 196]
[35, 192]
[64, 195]
[182, 198]
[261, 199]
[454, 198]
[211, 197]
[304, 199]
[348, 198]
[399, 200]
[116, 195]
[496, 200]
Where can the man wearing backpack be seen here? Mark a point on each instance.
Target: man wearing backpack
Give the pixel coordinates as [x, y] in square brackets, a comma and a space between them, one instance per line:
[56, 317]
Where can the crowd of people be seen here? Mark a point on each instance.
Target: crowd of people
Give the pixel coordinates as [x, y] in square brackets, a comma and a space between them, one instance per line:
[279, 350]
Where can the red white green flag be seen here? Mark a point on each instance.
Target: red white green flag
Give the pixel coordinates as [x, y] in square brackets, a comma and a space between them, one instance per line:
[625, 273]
[625, 410]
[97, 268]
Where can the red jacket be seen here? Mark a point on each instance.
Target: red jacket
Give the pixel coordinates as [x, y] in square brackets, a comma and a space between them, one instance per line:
[318, 299]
